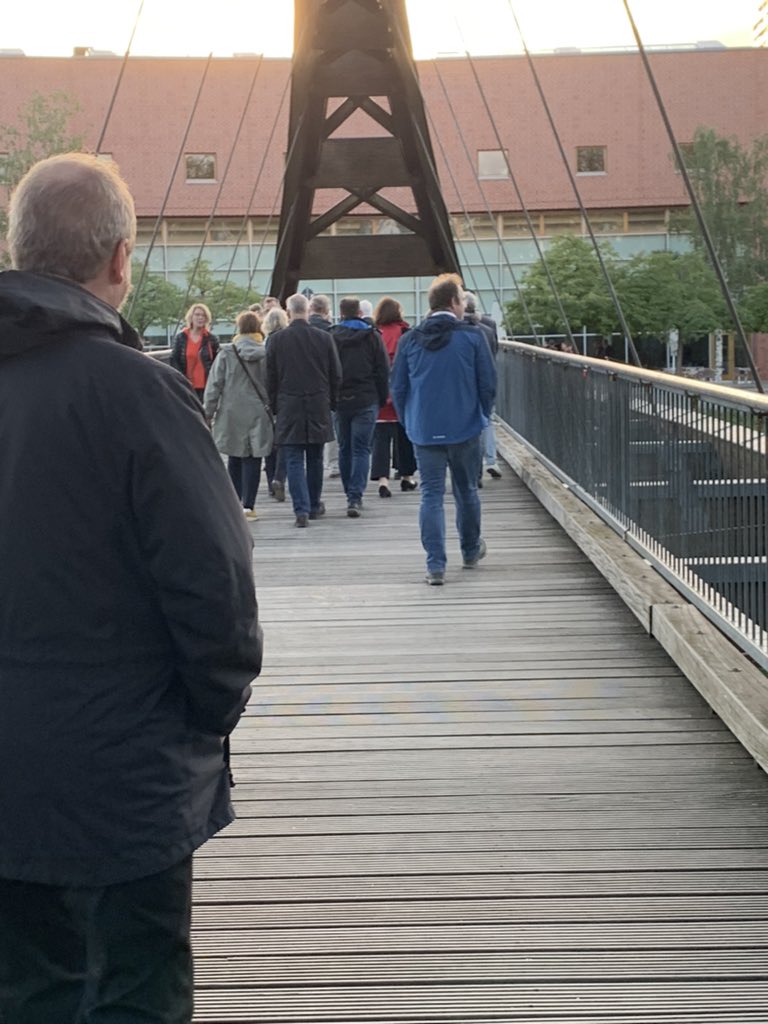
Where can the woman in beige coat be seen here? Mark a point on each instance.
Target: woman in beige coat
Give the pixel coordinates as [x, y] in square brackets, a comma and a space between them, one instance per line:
[236, 405]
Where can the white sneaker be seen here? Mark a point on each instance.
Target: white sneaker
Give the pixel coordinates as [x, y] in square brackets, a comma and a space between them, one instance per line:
[251, 513]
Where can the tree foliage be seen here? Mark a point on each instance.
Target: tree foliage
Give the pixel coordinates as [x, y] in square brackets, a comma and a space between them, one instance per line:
[225, 299]
[155, 304]
[41, 130]
[581, 287]
[731, 184]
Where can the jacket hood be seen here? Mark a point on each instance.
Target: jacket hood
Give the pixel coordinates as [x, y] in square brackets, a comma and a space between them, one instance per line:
[435, 332]
[350, 332]
[38, 309]
[250, 346]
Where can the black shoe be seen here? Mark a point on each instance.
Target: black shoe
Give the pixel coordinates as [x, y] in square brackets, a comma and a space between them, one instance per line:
[480, 482]
[353, 510]
[384, 491]
[319, 511]
[408, 485]
[302, 520]
[494, 472]
[435, 579]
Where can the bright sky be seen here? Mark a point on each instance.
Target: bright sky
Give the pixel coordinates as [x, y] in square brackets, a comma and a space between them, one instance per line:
[178, 28]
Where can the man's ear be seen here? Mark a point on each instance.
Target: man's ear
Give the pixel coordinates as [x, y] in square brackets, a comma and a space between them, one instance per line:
[120, 262]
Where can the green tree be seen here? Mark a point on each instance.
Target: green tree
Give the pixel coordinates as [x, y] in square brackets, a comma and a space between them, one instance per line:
[581, 286]
[662, 290]
[225, 299]
[156, 303]
[731, 184]
[40, 131]
[754, 308]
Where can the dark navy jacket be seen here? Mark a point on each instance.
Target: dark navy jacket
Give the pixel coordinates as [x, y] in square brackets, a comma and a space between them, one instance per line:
[128, 619]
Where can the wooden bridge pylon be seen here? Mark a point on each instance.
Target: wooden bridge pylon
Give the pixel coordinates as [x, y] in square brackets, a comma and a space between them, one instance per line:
[350, 56]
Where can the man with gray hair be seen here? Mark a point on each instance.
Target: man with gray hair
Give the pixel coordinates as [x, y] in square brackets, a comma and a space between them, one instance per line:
[129, 633]
[488, 437]
[303, 375]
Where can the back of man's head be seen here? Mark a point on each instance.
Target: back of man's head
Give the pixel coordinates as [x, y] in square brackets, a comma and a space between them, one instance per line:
[349, 308]
[366, 308]
[297, 306]
[444, 290]
[67, 215]
[470, 303]
[320, 304]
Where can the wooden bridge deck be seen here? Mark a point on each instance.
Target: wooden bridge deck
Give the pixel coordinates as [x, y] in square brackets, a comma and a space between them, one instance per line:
[494, 801]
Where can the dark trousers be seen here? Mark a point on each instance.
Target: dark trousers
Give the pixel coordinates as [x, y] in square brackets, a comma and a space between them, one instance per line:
[245, 474]
[115, 954]
[304, 469]
[390, 439]
[274, 466]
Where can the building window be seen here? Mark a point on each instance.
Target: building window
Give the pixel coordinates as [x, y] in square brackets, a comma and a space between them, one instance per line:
[201, 166]
[492, 163]
[590, 159]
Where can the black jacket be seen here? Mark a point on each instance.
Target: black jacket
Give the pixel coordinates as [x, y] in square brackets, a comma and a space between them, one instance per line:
[208, 352]
[364, 365]
[128, 620]
[303, 377]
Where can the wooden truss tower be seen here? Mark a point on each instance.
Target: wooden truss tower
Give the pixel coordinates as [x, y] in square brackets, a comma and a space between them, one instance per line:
[353, 60]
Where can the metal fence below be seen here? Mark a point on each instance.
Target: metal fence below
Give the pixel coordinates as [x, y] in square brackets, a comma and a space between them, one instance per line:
[678, 467]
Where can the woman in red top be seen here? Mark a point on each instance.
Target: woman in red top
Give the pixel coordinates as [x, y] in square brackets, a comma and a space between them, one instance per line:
[389, 437]
[195, 348]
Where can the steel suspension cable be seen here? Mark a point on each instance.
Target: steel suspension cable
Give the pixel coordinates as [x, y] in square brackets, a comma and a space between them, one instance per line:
[220, 189]
[116, 90]
[587, 222]
[264, 154]
[703, 226]
[488, 209]
[161, 214]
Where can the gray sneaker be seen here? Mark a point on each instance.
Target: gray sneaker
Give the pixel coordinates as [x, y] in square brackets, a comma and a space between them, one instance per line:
[435, 579]
[470, 563]
[354, 510]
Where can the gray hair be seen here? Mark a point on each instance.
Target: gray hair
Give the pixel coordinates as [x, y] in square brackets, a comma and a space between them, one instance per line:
[470, 302]
[274, 320]
[320, 304]
[366, 308]
[67, 215]
[297, 306]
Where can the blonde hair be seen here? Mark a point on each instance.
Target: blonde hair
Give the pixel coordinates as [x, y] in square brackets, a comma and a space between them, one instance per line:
[443, 290]
[67, 215]
[191, 310]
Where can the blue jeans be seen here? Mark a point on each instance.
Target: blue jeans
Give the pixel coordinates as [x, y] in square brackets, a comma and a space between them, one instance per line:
[305, 482]
[488, 443]
[354, 432]
[464, 462]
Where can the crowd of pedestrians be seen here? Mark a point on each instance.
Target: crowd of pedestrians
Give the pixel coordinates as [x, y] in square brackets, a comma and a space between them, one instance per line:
[366, 397]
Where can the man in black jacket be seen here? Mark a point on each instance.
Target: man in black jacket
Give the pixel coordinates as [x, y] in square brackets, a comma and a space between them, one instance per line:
[364, 389]
[128, 623]
[303, 381]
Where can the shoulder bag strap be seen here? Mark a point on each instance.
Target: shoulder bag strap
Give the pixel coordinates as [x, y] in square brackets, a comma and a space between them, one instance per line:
[254, 383]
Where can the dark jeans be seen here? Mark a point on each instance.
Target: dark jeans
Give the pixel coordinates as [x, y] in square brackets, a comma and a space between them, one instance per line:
[464, 463]
[354, 432]
[304, 469]
[116, 954]
[245, 474]
[274, 466]
[391, 437]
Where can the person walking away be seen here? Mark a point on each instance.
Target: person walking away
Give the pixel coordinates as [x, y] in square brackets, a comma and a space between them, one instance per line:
[129, 631]
[236, 404]
[195, 348]
[364, 389]
[303, 376]
[488, 438]
[320, 316]
[391, 446]
[275, 319]
[443, 387]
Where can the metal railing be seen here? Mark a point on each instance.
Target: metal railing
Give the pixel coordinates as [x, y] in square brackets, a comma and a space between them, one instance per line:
[678, 467]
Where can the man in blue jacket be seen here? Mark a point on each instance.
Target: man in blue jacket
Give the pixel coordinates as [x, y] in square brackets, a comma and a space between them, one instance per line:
[443, 386]
[128, 623]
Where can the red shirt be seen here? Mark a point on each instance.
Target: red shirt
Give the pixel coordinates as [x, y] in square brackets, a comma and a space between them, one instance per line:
[391, 333]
